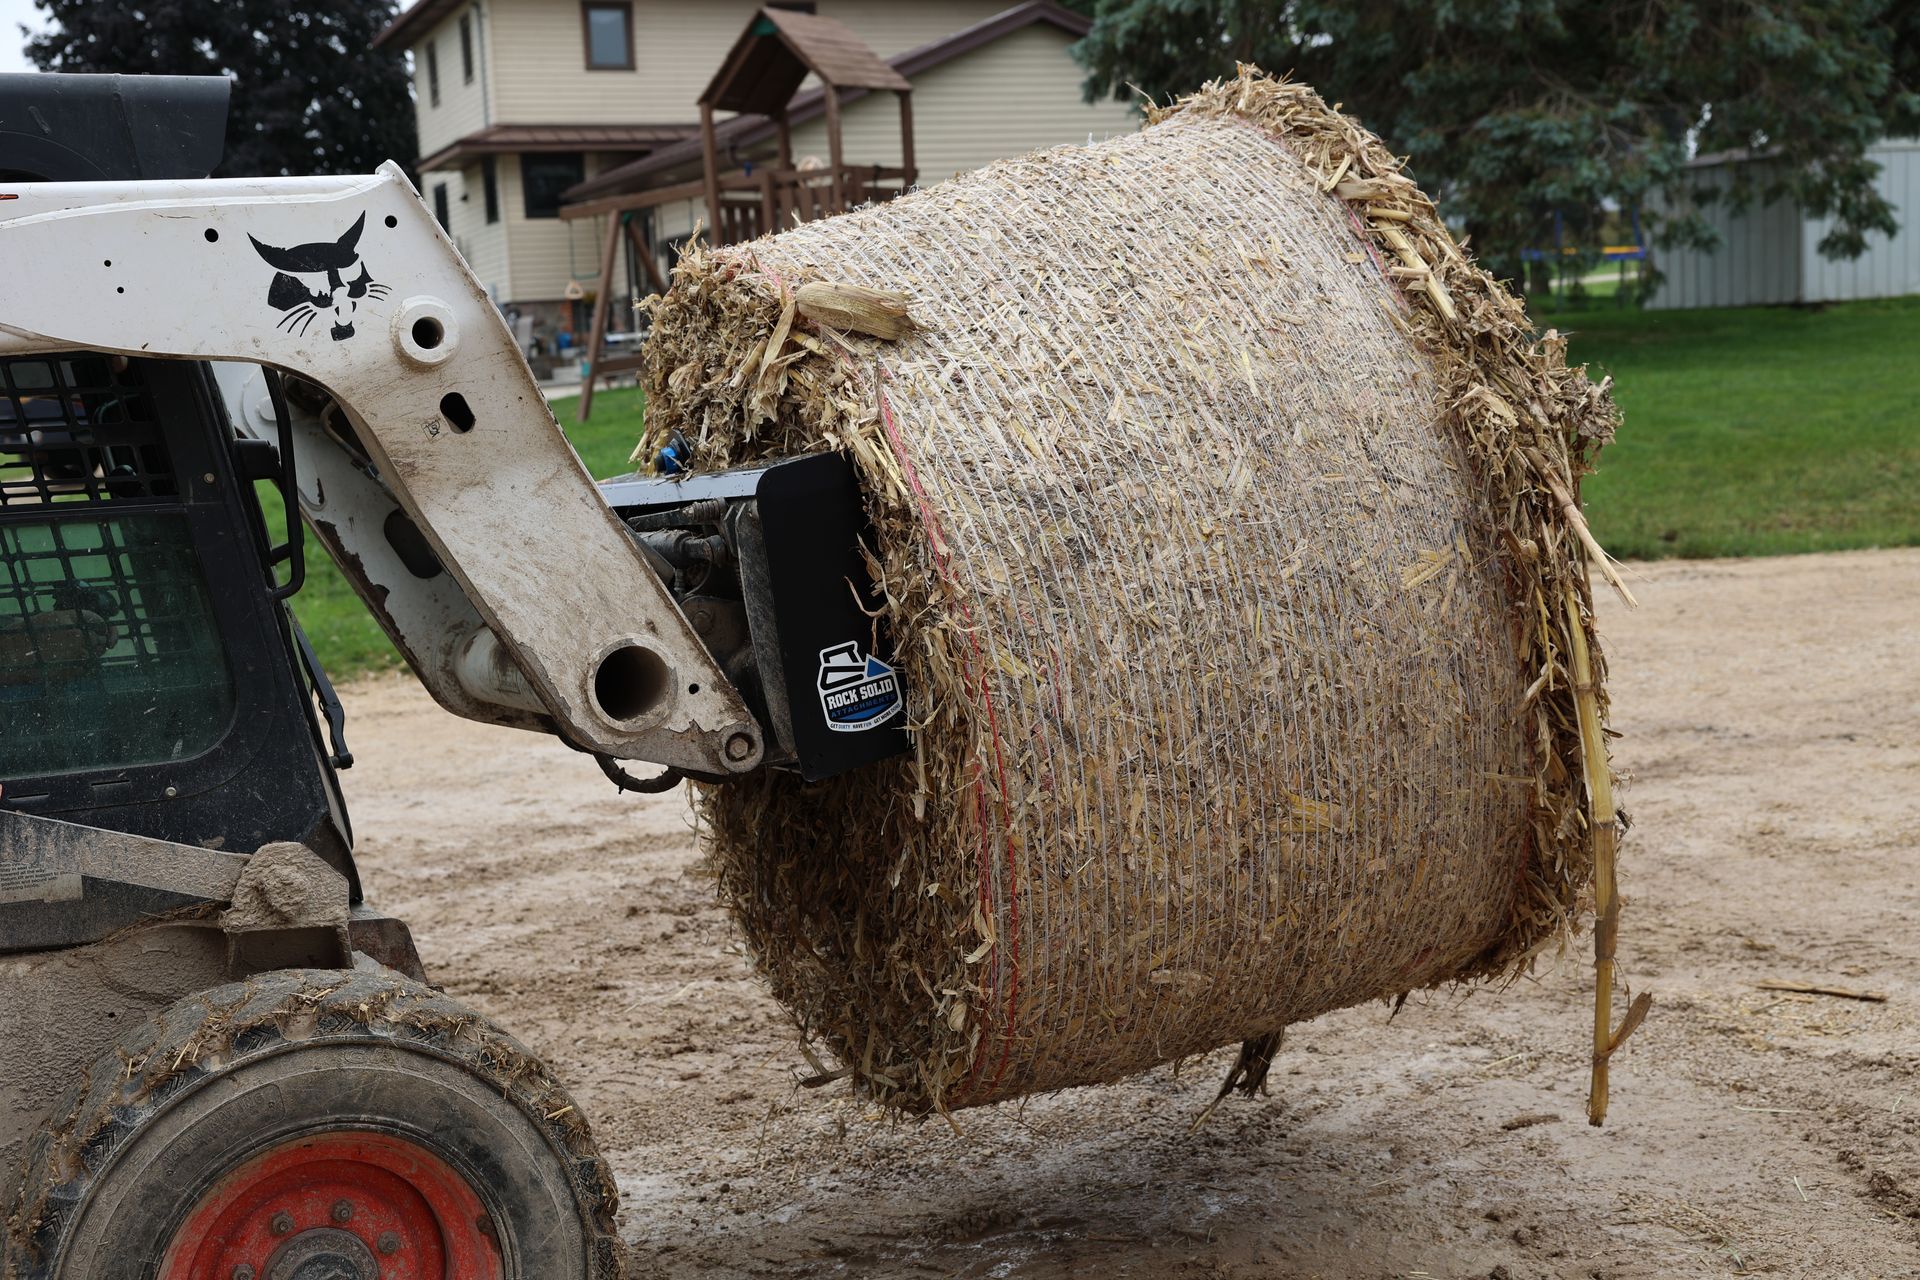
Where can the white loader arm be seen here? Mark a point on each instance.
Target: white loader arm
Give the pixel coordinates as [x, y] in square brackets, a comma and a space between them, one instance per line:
[350, 284]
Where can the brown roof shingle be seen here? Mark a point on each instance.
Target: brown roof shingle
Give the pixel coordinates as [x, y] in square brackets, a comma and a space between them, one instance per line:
[502, 138]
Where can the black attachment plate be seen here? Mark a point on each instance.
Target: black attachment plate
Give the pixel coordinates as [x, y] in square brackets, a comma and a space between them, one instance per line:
[833, 700]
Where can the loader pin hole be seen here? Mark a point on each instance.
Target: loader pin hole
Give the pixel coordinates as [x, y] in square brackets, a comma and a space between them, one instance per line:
[630, 682]
[427, 333]
[454, 408]
[212, 235]
[392, 221]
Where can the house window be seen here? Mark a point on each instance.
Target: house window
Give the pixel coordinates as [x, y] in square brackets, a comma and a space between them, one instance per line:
[433, 74]
[609, 32]
[466, 48]
[490, 188]
[543, 178]
[440, 206]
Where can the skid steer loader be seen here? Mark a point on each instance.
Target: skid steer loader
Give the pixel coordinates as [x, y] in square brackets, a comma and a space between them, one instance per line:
[217, 1061]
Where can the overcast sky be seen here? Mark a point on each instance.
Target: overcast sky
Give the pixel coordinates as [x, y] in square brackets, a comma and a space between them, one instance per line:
[12, 14]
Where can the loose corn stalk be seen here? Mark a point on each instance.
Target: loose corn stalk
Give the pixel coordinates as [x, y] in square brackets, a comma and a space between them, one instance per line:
[1604, 831]
[855, 308]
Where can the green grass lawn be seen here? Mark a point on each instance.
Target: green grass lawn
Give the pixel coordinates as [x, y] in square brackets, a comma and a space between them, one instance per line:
[1760, 431]
[344, 634]
[1748, 432]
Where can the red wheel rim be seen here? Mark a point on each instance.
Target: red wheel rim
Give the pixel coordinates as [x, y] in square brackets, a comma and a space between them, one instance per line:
[344, 1203]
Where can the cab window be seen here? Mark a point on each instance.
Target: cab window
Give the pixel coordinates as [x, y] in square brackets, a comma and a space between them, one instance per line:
[110, 656]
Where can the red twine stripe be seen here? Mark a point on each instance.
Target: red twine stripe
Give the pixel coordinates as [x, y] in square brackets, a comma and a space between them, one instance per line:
[939, 543]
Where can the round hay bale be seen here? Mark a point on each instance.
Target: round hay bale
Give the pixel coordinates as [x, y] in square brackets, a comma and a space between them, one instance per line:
[1216, 515]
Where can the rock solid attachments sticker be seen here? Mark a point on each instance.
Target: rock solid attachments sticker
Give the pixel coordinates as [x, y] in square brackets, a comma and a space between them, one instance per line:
[857, 691]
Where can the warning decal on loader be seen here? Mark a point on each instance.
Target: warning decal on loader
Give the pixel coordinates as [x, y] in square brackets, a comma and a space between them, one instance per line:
[31, 882]
[857, 690]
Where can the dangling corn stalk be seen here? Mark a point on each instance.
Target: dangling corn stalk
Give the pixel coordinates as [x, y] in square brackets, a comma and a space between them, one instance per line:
[1604, 827]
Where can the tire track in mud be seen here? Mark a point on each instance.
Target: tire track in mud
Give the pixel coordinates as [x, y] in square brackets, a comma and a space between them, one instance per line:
[1771, 720]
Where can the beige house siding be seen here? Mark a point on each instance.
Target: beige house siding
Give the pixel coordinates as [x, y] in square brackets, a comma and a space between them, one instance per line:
[483, 244]
[892, 27]
[671, 221]
[677, 49]
[1019, 94]
[484, 247]
[1016, 94]
[517, 259]
[547, 252]
[463, 106]
[457, 214]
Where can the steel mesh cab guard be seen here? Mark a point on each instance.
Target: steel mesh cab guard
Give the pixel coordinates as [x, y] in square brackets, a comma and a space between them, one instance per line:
[108, 653]
[150, 682]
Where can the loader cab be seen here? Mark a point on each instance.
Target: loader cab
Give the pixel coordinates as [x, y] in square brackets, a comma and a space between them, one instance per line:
[152, 681]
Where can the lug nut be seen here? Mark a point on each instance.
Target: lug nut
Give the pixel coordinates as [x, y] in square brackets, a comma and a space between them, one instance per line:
[342, 1211]
[243, 1272]
[739, 747]
[389, 1242]
[281, 1223]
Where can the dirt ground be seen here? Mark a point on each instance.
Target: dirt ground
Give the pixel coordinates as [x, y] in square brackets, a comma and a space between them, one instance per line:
[1770, 713]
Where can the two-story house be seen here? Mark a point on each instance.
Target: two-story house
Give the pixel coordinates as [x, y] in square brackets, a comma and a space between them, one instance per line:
[520, 101]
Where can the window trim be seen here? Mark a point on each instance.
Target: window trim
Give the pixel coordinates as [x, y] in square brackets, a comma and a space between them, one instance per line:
[466, 48]
[625, 7]
[433, 73]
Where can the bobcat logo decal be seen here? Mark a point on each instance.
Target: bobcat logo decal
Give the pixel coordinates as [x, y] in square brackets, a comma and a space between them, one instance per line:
[323, 278]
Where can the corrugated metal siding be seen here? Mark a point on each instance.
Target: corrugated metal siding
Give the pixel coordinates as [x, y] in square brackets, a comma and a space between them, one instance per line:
[1757, 261]
[463, 106]
[1891, 265]
[1770, 255]
[1021, 93]
[540, 76]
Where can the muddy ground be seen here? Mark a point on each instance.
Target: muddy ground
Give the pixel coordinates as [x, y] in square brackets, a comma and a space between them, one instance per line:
[1771, 721]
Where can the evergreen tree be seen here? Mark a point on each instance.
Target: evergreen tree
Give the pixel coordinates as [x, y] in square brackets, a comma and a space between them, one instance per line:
[1513, 112]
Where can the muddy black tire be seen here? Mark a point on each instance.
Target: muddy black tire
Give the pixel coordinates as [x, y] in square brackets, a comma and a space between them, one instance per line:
[301, 1108]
